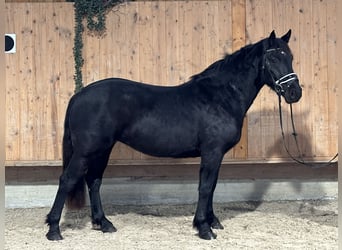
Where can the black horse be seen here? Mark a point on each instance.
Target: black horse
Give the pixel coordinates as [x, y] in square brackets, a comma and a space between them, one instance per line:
[200, 118]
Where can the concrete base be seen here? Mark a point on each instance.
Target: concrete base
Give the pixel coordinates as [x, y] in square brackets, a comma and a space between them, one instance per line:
[138, 192]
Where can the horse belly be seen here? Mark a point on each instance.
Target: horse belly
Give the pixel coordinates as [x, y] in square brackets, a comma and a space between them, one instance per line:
[162, 139]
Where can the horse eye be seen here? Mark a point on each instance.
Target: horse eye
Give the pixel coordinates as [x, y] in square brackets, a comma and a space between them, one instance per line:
[274, 59]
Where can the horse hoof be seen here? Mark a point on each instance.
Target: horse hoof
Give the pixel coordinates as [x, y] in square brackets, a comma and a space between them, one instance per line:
[107, 227]
[208, 235]
[216, 225]
[104, 225]
[54, 236]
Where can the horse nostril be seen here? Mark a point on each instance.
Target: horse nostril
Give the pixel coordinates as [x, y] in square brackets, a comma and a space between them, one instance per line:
[293, 94]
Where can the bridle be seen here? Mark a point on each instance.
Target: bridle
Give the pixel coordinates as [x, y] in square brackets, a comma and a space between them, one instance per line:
[282, 81]
[286, 79]
[279, 89]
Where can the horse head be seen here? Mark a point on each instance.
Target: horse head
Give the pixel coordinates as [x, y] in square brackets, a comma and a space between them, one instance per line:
[277, 67]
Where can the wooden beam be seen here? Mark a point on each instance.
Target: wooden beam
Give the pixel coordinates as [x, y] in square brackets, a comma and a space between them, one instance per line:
[239, 40]
[270, 171]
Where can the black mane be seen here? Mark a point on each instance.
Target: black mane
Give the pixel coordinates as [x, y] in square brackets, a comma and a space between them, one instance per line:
[241, 56]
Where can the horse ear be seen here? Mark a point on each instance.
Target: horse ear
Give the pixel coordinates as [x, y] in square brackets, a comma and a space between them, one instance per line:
[271, 38]
[286, 37]
[272, 35]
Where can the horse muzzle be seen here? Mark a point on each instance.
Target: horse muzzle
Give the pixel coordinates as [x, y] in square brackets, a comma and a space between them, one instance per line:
[288, 86]
[293, 93]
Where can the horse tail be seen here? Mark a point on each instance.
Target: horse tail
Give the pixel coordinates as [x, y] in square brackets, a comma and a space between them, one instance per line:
[76, 197]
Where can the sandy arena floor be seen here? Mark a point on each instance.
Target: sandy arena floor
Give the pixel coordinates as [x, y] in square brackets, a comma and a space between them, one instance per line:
[269, 225]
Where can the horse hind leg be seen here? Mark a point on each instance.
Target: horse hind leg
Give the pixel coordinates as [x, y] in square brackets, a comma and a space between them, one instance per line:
[94, 181]
[70, 178]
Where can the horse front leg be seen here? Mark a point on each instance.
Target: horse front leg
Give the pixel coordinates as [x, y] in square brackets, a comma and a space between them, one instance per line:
[204, 217]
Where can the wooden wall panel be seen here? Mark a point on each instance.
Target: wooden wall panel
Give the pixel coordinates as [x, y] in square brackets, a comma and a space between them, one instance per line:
[332, 32]
[164, 43]
[40, 82]
[238, 26]
[311, 44]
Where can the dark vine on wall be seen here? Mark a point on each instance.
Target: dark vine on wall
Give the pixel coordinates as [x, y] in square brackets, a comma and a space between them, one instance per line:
[94, 13]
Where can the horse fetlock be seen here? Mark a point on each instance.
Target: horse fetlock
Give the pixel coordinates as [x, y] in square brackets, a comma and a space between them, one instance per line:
[53, 223]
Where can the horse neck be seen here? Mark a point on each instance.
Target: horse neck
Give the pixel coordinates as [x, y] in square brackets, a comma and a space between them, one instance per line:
[244, 81]
[234, 81]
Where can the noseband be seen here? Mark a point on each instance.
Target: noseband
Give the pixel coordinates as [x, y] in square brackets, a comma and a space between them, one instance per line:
[286, 79]
[282, 81]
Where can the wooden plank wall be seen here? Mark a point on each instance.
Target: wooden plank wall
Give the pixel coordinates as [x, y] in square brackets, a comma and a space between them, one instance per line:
[39, 79]
[164, 43]
[313, 24]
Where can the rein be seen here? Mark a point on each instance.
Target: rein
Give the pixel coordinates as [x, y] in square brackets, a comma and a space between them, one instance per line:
[294, 133]
[279, 89]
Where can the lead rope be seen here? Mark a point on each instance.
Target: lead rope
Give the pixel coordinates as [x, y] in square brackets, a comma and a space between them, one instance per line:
[294, 133]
